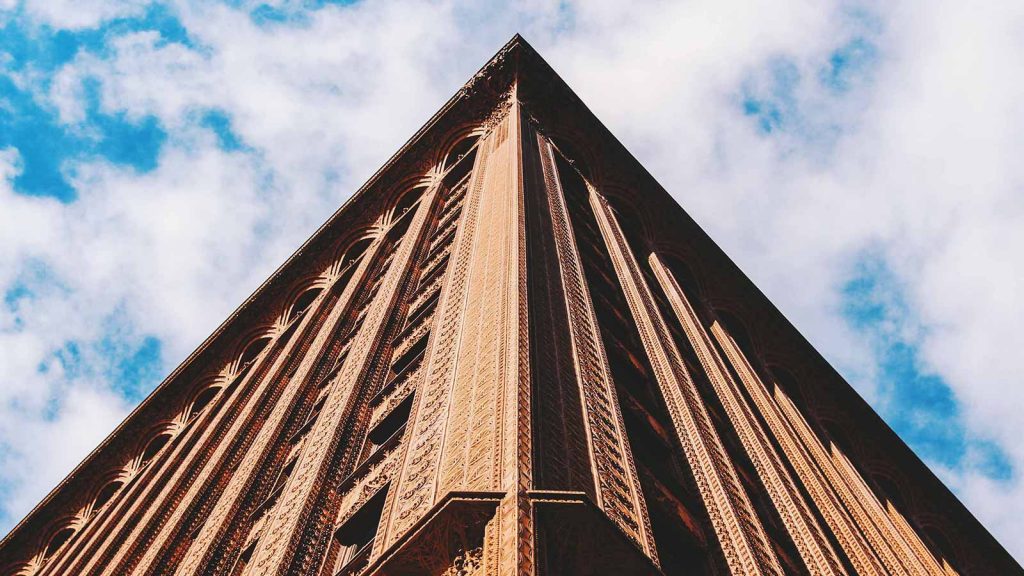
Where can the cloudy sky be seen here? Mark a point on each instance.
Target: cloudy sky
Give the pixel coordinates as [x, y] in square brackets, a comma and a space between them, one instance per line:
[863, 162]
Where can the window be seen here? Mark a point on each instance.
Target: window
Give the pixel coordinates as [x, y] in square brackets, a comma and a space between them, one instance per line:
[354, 539]
[303, 302]
[106, 494]
[407, 201]
[154, 447]
[58, 540]
[459, 151]
[392, 424]
[244, 558]
[410, 355]
[253, 350]
[203, 399]
[275, 490]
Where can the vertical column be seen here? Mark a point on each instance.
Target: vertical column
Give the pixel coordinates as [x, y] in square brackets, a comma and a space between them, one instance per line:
[281, 549]
[838, 520]
[264, 443]
[171, 530]
[890, 533]
[811, 542]
[916, 546]
[138, 489]
[739, 531]
[865, 521]
[193, 461]
[596, 444]
[471, 428]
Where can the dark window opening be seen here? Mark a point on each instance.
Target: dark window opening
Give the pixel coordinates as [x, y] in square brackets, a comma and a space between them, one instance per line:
[304, 302]
[275, 490]
[406, 202]
[310, 418]
[459, 151]
[391, 425]
[58, 540]
[106, 494]
[243, 559]
[355, 251]
[154, 447]
[459, 161]
[398, 229]
[423, 310]
[435, 268]
[354, 539]
[411, 355]
[203, 399]
[253, 350]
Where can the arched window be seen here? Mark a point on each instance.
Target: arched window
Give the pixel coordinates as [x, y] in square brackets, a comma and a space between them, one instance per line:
[58, 540]
[571, 153]
[203, 399]
[304, 301]
[356, 250]
[154, 446]
[685, 278]
[836, 434]
[739, 333]
[253, 350]
[789, 384]
[942, 544]
[106, 494]
[459, 151]
[890, 490]
[407, 201]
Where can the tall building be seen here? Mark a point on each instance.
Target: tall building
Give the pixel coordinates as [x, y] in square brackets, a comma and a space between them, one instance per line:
[511, 352]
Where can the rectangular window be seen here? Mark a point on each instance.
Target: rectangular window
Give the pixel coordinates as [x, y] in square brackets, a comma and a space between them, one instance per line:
[353, 540]
[391, 425]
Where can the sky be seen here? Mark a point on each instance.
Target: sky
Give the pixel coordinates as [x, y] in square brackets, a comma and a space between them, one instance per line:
[861, 161]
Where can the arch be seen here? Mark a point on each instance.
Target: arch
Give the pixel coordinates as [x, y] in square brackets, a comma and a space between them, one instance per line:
[836, 433]
[358, 248]
[684, 275]
[22, 568]
[58, 540]
[455, 143]
[203, 399]
[738, 330]
[303, 301]
[106, 493]
[889, 489]
[351, 251]
[580, 155]
[252, 350]
[406, 201]
[632, 222]
[790, 385]
[459, 150]
[154, 446]
[394, 193]
[941, 543]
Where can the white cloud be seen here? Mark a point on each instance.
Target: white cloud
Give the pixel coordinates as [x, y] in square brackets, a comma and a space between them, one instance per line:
[81, 14]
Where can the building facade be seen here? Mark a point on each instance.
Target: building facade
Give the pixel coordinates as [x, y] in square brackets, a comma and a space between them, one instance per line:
[511, 352]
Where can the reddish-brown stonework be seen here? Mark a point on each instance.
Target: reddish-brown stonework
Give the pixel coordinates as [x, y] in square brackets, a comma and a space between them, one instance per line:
[511, 352]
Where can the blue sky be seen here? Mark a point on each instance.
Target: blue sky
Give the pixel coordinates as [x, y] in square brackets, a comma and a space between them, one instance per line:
[858, 159]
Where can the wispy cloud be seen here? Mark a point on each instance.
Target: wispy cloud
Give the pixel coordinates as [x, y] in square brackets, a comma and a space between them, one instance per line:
[860, 160]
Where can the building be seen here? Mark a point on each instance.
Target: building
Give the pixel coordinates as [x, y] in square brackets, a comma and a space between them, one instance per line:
[510, 352]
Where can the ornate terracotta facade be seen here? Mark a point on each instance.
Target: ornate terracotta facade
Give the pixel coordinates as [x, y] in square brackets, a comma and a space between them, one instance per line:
[511, 352]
